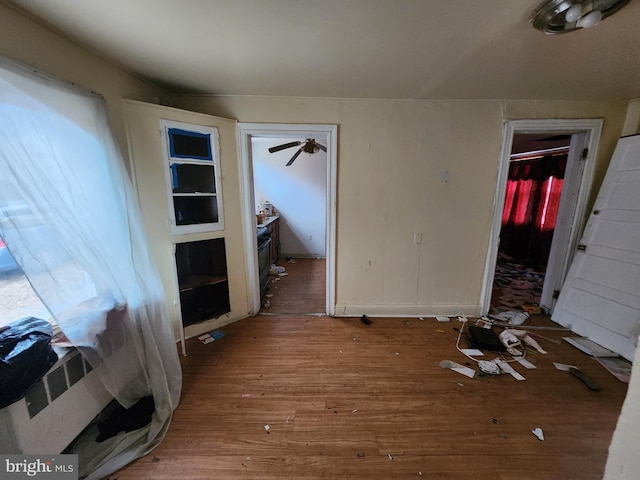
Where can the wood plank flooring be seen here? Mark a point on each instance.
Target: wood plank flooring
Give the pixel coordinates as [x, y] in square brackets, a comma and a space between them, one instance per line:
[301, 291]
[343, 400]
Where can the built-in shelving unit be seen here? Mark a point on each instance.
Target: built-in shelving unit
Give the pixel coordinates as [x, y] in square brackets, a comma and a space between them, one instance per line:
[202, 280]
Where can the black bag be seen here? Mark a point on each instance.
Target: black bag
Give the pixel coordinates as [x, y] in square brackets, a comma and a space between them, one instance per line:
[486, 338]
[25, 356]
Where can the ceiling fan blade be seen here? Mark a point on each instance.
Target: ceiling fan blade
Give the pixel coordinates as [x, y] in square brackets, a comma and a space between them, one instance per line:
[321, 147]
[295, 155]
[283, 146]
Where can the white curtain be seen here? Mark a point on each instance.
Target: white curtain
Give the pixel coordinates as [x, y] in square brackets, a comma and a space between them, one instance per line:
[69, 216]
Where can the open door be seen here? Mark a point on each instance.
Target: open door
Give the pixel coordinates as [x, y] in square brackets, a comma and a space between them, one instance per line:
[585, 135]
[327, 135]
[563, 242]
[601, 297]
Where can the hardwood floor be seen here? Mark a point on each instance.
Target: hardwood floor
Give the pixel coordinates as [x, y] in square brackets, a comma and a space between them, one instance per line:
[301, 291]
[343, 400]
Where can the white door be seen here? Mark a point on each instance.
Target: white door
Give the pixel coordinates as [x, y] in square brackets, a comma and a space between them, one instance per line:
[563, 243]
[601, 297]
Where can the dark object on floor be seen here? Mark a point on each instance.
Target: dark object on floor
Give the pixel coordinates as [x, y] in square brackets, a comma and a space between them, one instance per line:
[486, 338]
[25, 356]
[467, 338]
[364, 319]
[126, 420]
[591, 385]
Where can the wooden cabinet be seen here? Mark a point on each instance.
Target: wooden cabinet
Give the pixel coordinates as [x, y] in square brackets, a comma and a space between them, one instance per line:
[268, 250]
[202, 280]
[274, 235]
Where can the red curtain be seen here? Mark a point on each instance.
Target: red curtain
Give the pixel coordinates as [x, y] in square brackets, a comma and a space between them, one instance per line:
[531, 207]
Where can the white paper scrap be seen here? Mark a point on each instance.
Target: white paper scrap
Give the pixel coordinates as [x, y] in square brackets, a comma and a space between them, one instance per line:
[563, 366]
[526, 363]
[442, 318]
[472, 352]
[506, 368]
[466, 371]
[538, 433]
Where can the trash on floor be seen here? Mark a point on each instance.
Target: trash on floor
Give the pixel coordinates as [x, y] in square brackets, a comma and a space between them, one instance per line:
[576, 372]
[617, 366]
[466, 371]
[509, 335]
[276, 270]
[507, 368]
[486, 366]
[442, 318]
[511, 317]
[211, 336]
[538, 433]
[364, 319]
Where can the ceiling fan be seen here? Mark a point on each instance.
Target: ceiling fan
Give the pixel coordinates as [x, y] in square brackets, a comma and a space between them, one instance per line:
[309, 145]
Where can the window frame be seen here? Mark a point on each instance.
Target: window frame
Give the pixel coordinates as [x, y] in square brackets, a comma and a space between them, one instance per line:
[170, 158]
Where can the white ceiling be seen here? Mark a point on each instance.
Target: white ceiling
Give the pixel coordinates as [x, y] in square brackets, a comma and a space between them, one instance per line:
[415, 49]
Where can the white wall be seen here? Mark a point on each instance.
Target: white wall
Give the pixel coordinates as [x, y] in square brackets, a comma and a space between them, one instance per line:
[299, 193]
[392, 155]
[26, 41]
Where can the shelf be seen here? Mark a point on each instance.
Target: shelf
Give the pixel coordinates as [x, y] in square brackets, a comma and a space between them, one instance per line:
[201, 281]
[193, 194]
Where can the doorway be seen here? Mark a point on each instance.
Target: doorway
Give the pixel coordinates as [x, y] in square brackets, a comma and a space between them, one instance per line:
[534, 187]
[300, 238]
[533, 263]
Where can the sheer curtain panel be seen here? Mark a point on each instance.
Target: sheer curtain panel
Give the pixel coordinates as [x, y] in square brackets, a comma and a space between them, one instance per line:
[69, 216]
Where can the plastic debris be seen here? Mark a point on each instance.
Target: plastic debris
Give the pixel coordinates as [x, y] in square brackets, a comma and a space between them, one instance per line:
[507, 368]
[538, 433]
[390, 457]
[524, 336]
[211, 336]
[512, 317]
[486, 366]
[276, 270]
[466, 371]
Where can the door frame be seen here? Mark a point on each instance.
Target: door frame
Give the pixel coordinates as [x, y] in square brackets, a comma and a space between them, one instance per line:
[328, 133]
[592, 128]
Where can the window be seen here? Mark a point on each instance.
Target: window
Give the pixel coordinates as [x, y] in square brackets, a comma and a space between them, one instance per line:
[193, 177]
[17, 298]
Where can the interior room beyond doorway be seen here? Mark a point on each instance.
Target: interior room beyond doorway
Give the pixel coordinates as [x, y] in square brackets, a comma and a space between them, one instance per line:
[290, 192]
[533, 191]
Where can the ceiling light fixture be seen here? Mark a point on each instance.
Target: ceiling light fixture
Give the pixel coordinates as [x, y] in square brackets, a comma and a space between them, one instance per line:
[561, 16]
